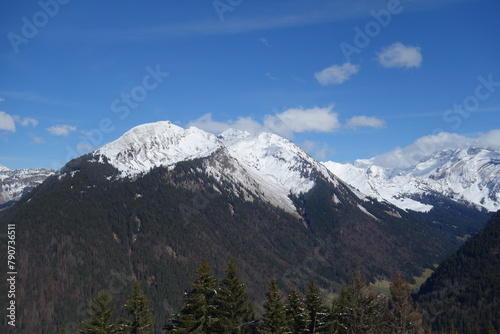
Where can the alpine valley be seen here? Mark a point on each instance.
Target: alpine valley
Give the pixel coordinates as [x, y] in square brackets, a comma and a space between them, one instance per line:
[155, 202]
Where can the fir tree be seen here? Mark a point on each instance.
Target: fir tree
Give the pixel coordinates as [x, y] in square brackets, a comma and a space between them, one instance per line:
[315, 307]
[141, 314]
[406, 318]
[198, 313]
[296, 314]
[274, 317]
[234, 309]
[358, 311]
[490, 329]
[100, 314]
[451, 328]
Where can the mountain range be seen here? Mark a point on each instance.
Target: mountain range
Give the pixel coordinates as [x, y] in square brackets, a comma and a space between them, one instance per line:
[151, 204]
[16, 183]
[468, 175]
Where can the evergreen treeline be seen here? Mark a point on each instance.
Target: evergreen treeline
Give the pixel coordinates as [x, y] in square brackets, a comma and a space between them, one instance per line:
[214, 307]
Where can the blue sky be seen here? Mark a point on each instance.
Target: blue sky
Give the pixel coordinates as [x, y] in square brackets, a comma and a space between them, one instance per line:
[344, 79]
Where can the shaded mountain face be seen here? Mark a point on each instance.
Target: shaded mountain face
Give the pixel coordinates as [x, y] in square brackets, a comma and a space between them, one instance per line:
[465, 287]
[152, 204]
[469, 175]
[16, 183]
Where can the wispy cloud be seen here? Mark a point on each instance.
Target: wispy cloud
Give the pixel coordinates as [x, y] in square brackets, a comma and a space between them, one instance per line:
[398, 55]
[320, 151]
[84, 147]
[336, 74]
[265, 42]
[270, 76]
[61, 130]
[26, 121]
[38, 140]
[33, 97]
[276, 16]
[286, 124]
[364, 121]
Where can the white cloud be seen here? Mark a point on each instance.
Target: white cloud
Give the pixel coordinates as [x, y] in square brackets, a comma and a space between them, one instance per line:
[294, 120]
[206, 123]
[7, 122]
[320, 151]
[25, 121]
[359, 121]
[84, 148]
[38, 140]
[490, 140]
[2, 99]
[398, 55]
[298, 120]
[336, 74]
[61, 130]
[426, 146]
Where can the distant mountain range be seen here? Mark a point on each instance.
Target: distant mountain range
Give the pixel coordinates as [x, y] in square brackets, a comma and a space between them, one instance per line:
[153, 203]
[466, 175]
[16, 183]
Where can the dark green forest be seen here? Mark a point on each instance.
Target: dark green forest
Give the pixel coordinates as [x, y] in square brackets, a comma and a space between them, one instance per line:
[466, 286]
[223, 306]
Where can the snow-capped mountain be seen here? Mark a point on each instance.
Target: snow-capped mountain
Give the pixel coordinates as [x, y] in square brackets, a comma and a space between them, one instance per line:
[468, 175]
[15, 183]
[157, 144]
[265, 165]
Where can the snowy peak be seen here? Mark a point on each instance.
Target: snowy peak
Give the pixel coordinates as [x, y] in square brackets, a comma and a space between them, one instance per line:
[157, 144]
[4, 168]
[283, 164]
[266, 165]
[469, 175]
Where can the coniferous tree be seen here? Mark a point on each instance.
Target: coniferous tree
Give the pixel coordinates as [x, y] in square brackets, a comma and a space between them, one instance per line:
[316, 309]
[359, 311]
[234, 312]
[141, 314]
[100, 314]
[274, 317]
[296, 314]
[198, 313]
[451, 328]
[405, 316]
[490, 329]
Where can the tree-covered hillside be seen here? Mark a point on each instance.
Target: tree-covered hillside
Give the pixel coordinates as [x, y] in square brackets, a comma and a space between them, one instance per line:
[465, 288]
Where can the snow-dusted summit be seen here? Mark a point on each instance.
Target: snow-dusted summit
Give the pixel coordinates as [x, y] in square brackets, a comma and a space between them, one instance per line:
[469, 174]
[266, 165]
[157, 144]
[281, 162]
